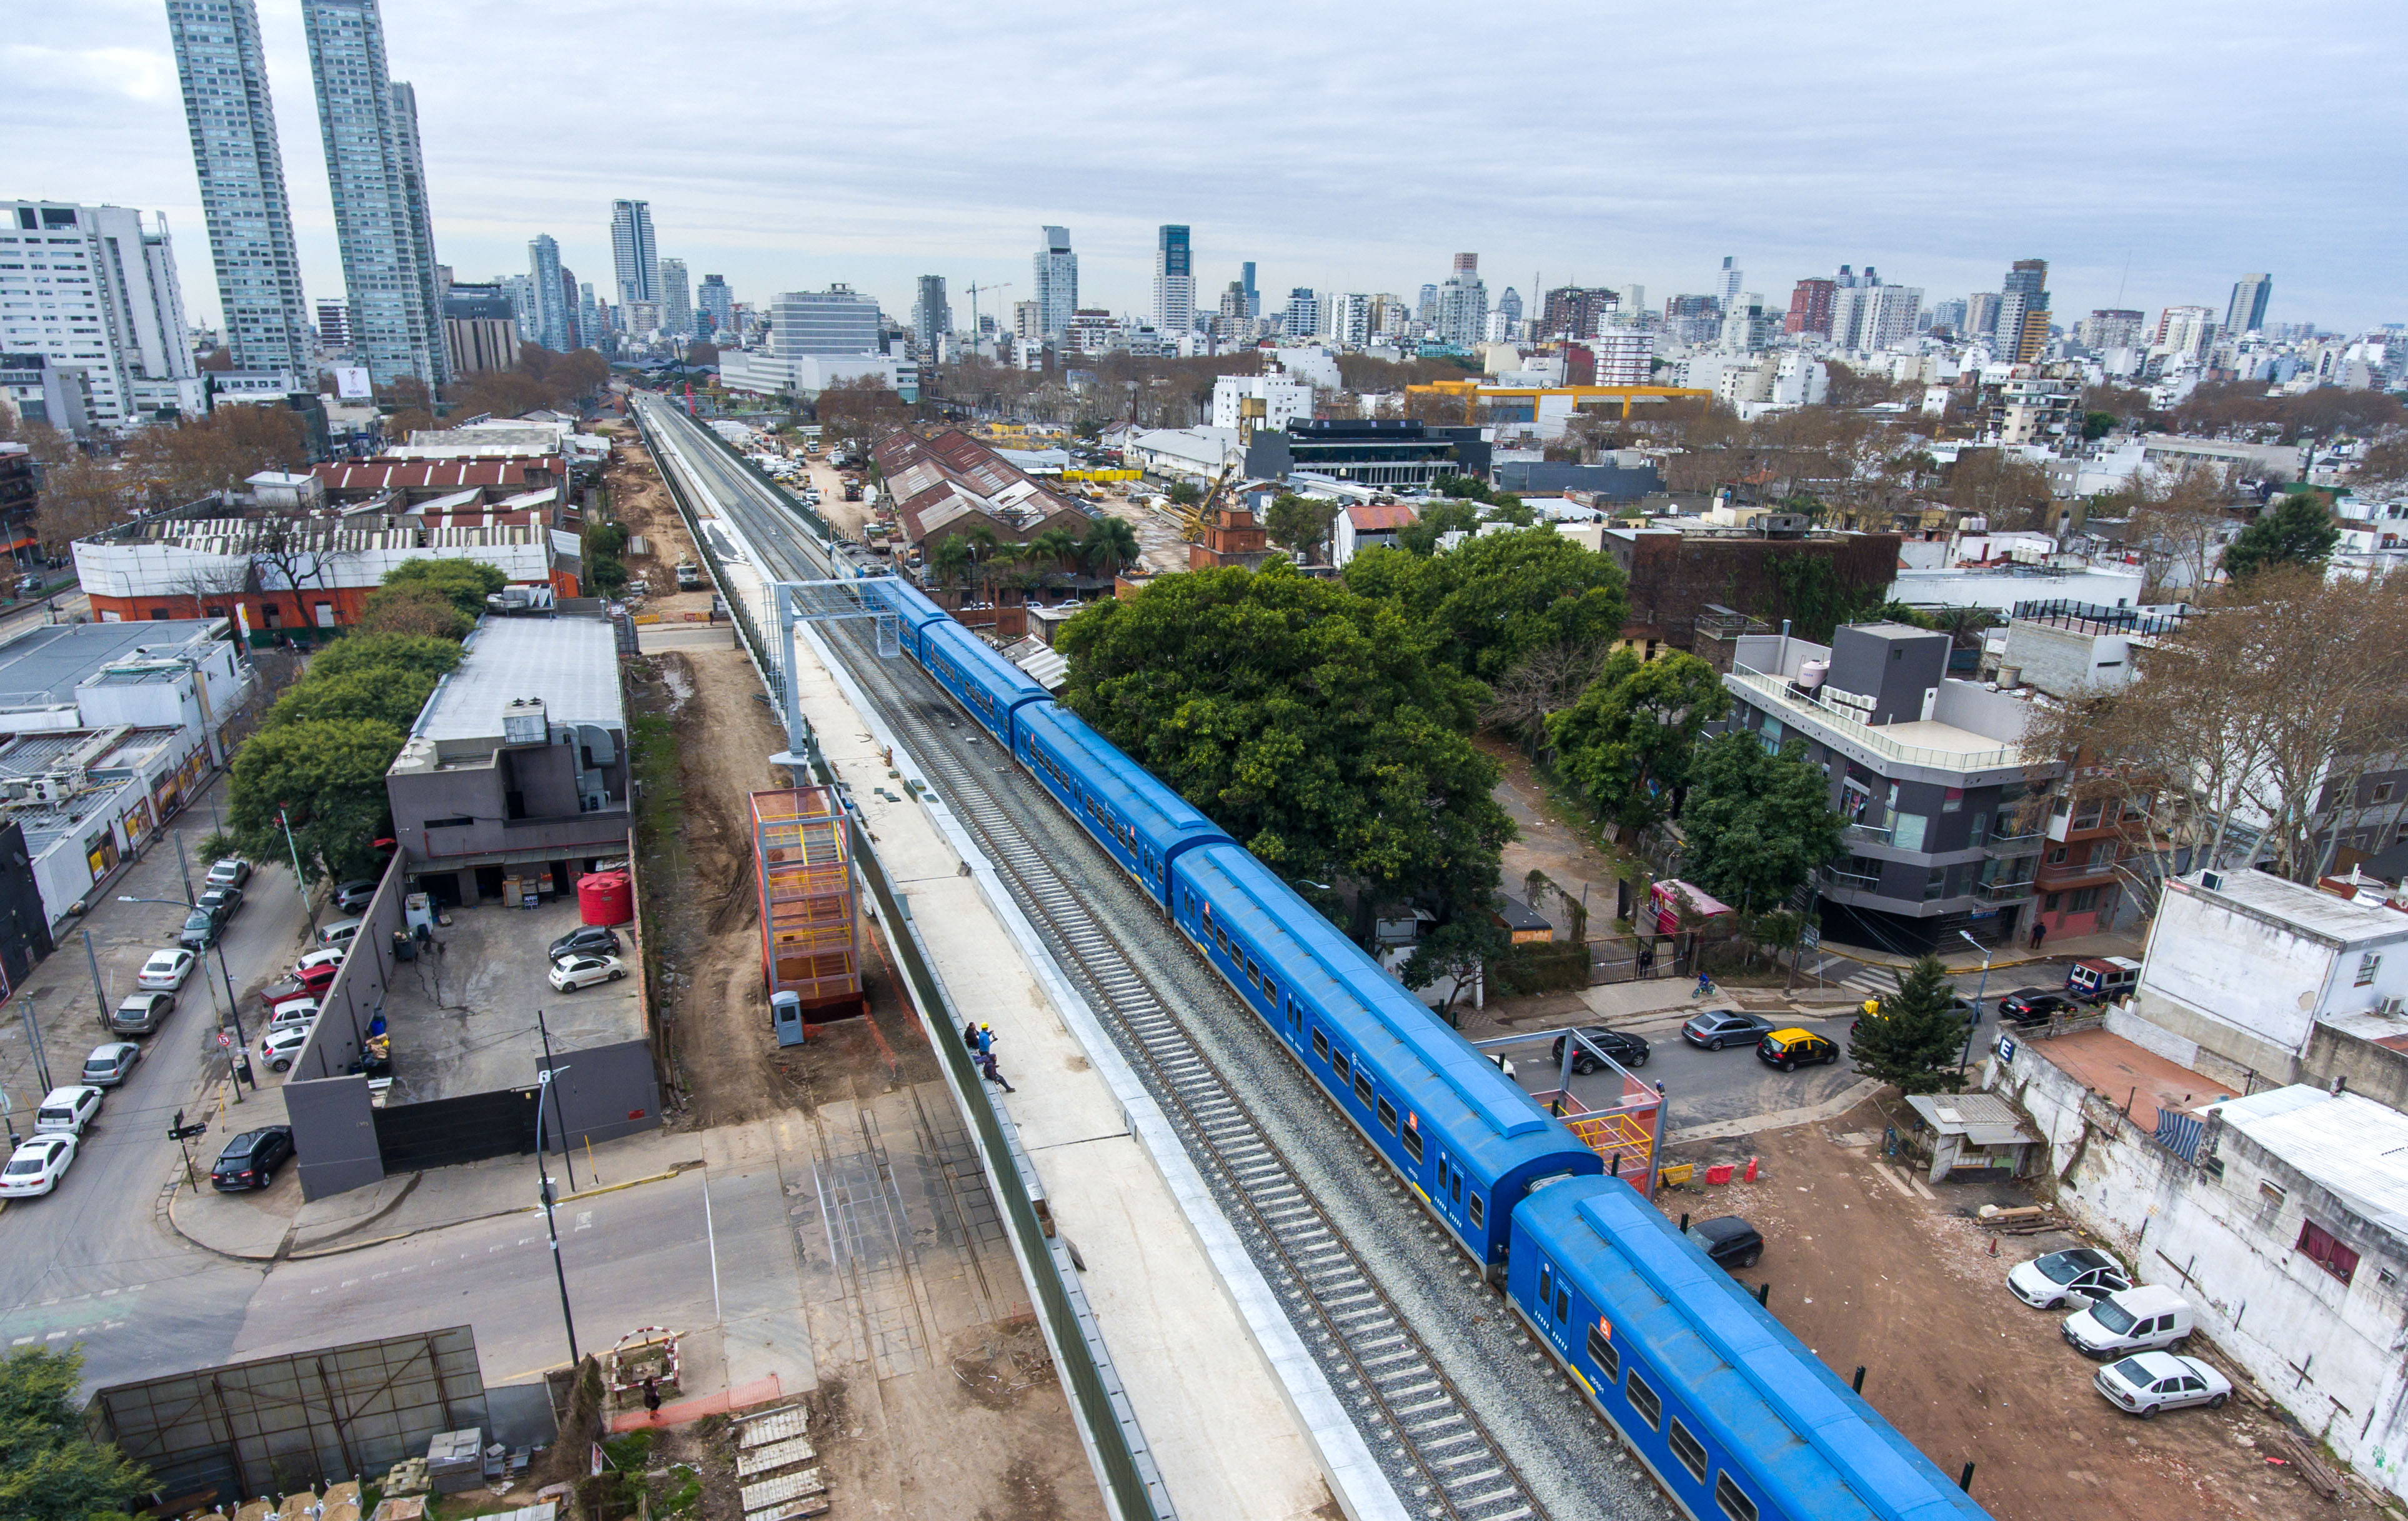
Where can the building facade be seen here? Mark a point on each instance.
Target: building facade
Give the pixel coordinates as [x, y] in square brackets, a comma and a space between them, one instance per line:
[2246, 311]
[388, 266]
[551, 327]
[1055, 286]
[836, 320]
[480, 330]
[2022, 328]
[1461, 317]
[717, 304]
[932, 317]
[95, 293]
[633, 256]
[1809, 307]
[677, 298]
[224, 74]
[334, 326]
[1174, 281]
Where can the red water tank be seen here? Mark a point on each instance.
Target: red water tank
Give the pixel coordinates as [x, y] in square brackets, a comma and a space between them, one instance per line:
[604, 897]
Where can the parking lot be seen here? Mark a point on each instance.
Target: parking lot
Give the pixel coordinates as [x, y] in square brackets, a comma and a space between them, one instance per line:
[1871, 1265]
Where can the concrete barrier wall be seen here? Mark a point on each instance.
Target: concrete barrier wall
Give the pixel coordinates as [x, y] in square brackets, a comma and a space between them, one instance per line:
[333, 1135]
[358, 992]
[605, 1092]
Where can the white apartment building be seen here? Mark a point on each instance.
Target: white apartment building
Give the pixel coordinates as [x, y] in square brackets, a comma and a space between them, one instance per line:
[2185, 332]
[94, 292]
[1284, 397]
[1625, 356]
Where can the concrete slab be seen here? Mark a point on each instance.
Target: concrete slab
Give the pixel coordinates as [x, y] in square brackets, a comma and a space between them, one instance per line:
[464, 1016]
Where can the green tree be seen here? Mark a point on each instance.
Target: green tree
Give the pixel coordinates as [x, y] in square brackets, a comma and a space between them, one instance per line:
[1055, 548]
[952, 561]
[1491, 600]
[1183, 493]
[416, 653]
[2298, 530]
[2097, 425]
[389, 697]
[1110, 546]
[465, 583]
[1432, 520]
[1627, 743]
[1460, 949]
[1299, 523]
[1309, 723]
[413, 610]
[50, 1470]
[1757, 824]
[1915, 1038]
[327, 776]
[1469, 488]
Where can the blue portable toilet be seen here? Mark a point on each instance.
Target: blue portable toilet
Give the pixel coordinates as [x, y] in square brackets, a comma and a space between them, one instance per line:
[786, 1017]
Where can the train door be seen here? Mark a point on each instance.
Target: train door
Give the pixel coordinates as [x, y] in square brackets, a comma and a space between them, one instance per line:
[1552, 1310]
[1451, 1183]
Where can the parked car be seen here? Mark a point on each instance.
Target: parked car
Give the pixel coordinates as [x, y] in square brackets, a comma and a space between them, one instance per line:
[68, 1110]
[233, 871]
[302, 1012]
[2080, 1275]
[354, 897]
[2154, 1380]
[1731, 1241]
[297, 984]
[36, 1167]
[2143, 1318]
[2033, 1006]
[1719, 1027]
[570, 974]
[226, 900]
[340, 933]
[586, 939]
[1627, 1049]
[201, 929]
[166, 971]
[251, 1159]
[1793, 1048]
[140, 1013]
[281, 1046]
[2101, 979]
[332, 956]
[108, 1064]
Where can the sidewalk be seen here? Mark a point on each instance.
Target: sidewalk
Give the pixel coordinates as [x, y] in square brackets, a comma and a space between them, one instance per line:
[277, 1224]
[2071, 948]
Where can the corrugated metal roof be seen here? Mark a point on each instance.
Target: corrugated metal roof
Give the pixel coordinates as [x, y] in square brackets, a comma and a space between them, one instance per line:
[2350, 1145]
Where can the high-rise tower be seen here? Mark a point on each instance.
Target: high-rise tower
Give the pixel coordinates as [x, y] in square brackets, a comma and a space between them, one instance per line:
[2023, 313]
[1174, 281]
[631, 250]
[1056, 285]
[2246, 312]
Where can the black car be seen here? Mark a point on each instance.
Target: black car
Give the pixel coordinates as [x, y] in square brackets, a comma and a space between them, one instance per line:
[251, 1159]
[228, 900]
[1719, 1027]
[353, 896]
[1629, 1050]
[586, 939]
[1731, 1241]
[2035, 1006]
[201, 927]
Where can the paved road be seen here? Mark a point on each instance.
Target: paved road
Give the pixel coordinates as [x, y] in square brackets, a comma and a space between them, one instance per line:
[93, 1262]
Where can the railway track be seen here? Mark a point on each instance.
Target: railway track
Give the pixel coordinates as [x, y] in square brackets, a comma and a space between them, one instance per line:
[1445, 1458]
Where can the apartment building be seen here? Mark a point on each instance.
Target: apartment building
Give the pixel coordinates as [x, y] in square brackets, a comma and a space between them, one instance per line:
[94, 291]
[1929, 772]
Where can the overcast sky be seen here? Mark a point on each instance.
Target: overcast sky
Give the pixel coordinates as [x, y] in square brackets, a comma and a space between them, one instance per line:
[1341, 145]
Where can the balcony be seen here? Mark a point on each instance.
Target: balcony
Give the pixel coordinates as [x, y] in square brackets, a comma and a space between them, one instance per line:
[1850, 881]
[1847, 730]
[1870, 833]
[2008, 892]
[2007, 847]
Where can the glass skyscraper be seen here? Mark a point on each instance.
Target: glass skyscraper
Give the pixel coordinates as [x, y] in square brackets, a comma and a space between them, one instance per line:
[235, 152]
[371, 165]
[631, 250]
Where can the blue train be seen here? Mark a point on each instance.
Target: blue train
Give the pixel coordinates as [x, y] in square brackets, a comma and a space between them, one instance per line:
[1737, 1420]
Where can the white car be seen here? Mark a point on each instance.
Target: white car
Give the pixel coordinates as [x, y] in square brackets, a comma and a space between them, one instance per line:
[2078, 1276]
[332, 956]
[68, 1110]
[571, 972]
[302, 1012]
[166, 971]
[282, 1047]
[2149, 1382]
[37, 1166]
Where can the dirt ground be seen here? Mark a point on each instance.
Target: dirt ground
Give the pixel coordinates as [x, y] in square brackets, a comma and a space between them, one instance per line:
[1865, 1270]
[1545, 842]
[642, 504]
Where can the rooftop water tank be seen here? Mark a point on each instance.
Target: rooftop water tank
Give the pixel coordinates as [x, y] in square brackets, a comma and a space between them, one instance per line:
[1811, 674]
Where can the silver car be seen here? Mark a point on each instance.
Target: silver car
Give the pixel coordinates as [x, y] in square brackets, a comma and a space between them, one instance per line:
[107, 1064]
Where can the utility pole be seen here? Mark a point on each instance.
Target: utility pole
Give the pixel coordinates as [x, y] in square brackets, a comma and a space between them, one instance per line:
[559, 1119]
[543, 1174]
[33, 1039]
[92, 960]
[300, 884]
[185, 867]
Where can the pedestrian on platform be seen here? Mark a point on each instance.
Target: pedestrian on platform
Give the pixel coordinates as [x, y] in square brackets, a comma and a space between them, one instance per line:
[994, 1075]
[985, 1038]
[652, 1398]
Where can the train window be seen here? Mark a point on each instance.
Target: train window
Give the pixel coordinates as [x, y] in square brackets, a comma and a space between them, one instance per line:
[1338, 1064]
[1221, 939]
[1321, 1045]
[1563, 1302]
[1688, 1449]
[1643, 1400]
[1455, 1188]
[1603, 1353]
[1546, 1283]
[1413, 1143]
[1254, 973]
[1735, 1505]
[1388, 1115]
[1363, 1085]
[1474, 1207]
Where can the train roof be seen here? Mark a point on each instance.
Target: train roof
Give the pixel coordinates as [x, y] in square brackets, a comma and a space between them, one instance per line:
[1794, 1425]
[1005, 683]
[1374, 1001]
[1167, 818]
[906, 600]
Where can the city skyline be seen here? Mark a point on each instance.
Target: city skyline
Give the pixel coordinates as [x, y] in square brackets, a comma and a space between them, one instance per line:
[787, 211]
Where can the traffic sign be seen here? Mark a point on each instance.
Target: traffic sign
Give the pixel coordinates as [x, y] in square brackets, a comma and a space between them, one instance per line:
[225, 1039]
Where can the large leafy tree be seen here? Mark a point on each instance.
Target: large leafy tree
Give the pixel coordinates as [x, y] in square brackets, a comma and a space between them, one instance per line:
[388, 696]
[1310, 723]
[50, 1470]
[326, 776]
[417, 652]
[1494, 599]
[465, 583]
[1629, 741]
[2298, 530]
[1756, 822]
[1299, 523]
[1914, 1038]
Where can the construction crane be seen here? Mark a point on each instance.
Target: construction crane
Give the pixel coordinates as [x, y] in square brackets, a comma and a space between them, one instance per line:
[974, 288]
[1193, 519]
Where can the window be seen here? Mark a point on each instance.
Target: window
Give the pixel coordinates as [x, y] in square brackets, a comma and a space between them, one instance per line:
[158, 615]
[2317, 1246]
[1546, 1283]
[2048, 904]
[2085, 899]
[1388, 1115]
[2367, 966]
[1321, 1045]
[1413, 1143]
[1455, 1188]
[1644, 1401]
[1363, 1085]
[2102, 853]
[1473, 1205]
[1603, 1353]
[1688, 1449]
[2057, 856]
[1735, 1505]
[1338, 1064]
[2381, 792]
[1563, 1302]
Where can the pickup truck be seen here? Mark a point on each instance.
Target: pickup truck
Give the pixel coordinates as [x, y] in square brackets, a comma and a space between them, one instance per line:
[689, 576]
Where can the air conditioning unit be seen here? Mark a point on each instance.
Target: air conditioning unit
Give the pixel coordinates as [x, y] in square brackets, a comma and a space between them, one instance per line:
[524, 723]
[53, 786]
[2394, 1007]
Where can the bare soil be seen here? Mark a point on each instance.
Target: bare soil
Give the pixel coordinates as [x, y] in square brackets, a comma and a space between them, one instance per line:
[640, 502]
[1865, 1271]
[1546, 840]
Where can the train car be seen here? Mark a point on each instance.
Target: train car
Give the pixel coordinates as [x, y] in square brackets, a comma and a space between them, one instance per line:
[1466, 1136]
[990, 687]
[1142, 822]
[913, 611]
[1736, 1418]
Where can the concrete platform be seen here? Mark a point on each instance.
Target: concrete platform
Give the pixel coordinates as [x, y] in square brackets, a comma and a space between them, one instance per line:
[463, 1014]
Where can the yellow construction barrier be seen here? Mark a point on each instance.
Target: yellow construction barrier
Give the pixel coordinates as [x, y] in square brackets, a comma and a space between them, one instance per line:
[1681, 1173]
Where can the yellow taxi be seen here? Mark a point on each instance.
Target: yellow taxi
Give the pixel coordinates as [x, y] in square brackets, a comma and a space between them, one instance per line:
[1791, 1049]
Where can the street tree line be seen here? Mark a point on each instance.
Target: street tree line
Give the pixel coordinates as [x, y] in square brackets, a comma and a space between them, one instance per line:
[980, 561]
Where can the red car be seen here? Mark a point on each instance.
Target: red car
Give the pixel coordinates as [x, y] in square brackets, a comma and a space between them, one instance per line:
[302, 982]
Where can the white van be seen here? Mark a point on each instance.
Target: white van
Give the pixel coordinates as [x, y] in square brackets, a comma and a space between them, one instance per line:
[68, 1110]
[2145, 1319]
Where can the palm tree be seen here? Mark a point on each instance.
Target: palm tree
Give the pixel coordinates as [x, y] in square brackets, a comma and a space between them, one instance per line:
[1111, 544]
[982, 544]
[1055, 549]
[953, 560]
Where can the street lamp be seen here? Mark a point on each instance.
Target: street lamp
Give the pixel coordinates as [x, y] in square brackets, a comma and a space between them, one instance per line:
[1983, 987]
[234, 1004]
[543, 1176]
